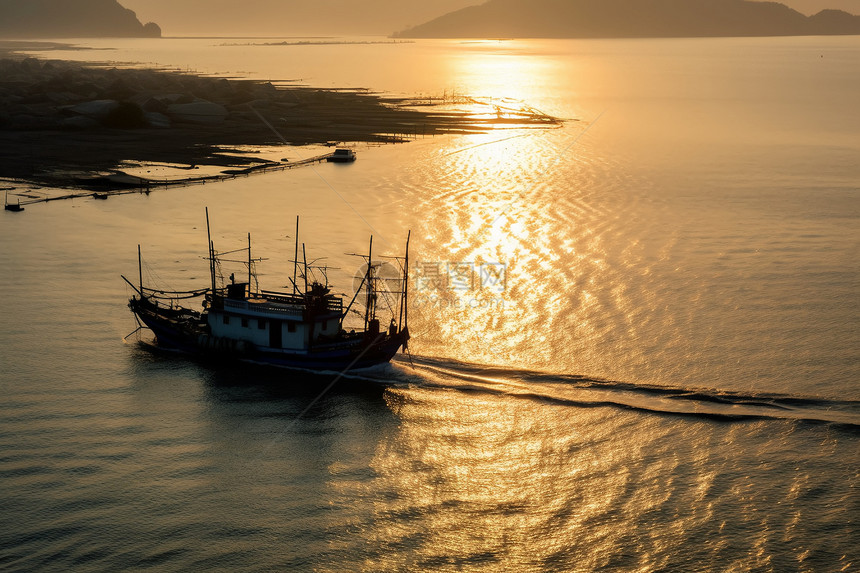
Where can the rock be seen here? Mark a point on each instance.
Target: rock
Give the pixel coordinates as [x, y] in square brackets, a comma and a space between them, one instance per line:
[168, 99]
[149, 103]
[267, 88]
[30, 65]
[151, 30]
[127, 115]
[200, 111]
[157, 120]
[97, 109]
[120, 89]
[86, 90]
[61, 98]
[78, 122]
[258, 104]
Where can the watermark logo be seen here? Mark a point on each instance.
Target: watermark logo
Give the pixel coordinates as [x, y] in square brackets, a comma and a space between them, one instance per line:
[461, 276]
[460, 284]
[388, 277]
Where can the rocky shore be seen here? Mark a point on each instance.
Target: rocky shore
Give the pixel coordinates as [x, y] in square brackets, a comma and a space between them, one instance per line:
[62, 122]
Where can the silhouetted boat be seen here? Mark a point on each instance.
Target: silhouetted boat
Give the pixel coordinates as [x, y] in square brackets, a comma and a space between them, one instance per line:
[298, 329]
[12, 206]
[342, 155]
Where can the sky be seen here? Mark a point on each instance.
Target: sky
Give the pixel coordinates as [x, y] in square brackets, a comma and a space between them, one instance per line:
[328, 17]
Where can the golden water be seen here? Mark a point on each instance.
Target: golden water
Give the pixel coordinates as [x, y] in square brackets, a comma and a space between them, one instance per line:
[635, 337]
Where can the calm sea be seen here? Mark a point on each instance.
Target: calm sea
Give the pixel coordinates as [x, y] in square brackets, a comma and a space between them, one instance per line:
[636, 338]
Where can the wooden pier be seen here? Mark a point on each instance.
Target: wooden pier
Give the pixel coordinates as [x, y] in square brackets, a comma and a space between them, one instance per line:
[123, 184]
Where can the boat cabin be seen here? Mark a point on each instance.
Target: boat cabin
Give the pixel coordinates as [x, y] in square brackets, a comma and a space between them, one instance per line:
[342, 155]
[276, 320]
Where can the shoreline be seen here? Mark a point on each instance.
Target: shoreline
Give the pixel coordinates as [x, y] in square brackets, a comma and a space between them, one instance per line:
[70, 125]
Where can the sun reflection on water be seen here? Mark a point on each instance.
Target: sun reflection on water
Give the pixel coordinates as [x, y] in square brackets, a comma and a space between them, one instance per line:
[503, 69]
[496, 205]
[489, 483]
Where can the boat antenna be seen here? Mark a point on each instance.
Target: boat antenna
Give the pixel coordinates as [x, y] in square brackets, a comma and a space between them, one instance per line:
[140, 270]
[296, 256]
[211, 253]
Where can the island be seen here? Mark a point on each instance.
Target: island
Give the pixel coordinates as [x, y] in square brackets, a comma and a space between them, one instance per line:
[71, 19]
[631, 19]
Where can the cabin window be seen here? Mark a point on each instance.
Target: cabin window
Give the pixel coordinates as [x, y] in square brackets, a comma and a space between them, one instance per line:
[291, 327]
[226, 319]
[325, 324]
[244, 323]
[261, 324]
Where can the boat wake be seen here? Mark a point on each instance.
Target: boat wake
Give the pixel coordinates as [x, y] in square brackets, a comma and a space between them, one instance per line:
[581, 391]
[584, 392]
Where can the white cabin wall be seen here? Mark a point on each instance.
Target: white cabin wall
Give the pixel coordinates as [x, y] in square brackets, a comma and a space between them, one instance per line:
[235, 329]
[299, 338]
[293, 340]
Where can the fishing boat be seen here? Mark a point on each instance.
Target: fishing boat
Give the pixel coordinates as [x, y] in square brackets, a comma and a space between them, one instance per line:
[302, 328]
[12, 206]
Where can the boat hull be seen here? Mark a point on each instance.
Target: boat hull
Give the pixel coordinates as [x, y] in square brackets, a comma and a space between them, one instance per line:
[189, 335]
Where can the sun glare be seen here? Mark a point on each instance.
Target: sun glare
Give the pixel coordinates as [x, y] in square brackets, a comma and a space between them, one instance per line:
[500, 69]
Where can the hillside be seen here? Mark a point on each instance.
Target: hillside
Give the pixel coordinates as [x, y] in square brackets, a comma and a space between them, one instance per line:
[70, 19]
[631, 19]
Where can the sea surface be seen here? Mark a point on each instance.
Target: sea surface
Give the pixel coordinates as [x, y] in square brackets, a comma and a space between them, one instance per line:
[636, 338]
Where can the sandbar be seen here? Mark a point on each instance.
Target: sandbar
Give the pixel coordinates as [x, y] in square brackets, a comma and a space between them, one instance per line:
[68, 124]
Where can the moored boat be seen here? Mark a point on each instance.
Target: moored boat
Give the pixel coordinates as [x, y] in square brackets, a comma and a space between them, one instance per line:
[12, 206]
[342, 155]
[300, 329]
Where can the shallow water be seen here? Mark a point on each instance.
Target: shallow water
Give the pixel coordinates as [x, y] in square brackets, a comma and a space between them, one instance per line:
[634, 338]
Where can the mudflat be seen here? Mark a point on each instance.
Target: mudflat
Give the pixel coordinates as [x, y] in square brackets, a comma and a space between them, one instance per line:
[62, 123]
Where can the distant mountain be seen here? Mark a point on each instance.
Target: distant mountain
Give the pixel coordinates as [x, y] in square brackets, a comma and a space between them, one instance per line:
[631, 19]
[71, 18]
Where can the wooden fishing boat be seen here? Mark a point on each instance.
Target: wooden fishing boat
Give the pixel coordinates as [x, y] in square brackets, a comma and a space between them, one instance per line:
[303, 328]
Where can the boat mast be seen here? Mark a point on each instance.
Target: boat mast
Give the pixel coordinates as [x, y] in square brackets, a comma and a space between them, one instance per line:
[211, 253]
[296, 256]
[140, 270]
[305, 259]
[404, 309]
[249, 265]
[367, 280]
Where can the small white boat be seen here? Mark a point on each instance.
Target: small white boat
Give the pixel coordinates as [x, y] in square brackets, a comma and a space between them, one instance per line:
[342, 155]
[12, 206]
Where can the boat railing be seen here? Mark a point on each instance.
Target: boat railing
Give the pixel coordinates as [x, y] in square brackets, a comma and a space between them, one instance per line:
[263, 307]
[334, 304]
[283, 298]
